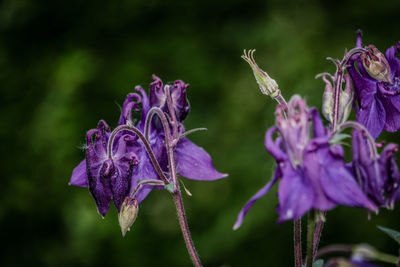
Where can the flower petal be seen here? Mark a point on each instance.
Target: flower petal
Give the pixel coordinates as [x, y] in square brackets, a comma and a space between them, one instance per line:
[339, 184]
[295, 193]
[372, 117]
[393, 60]
[132, 101]
[124, 162]
[274, 147]
[318, 126]
[79, 175]
[263, 191]
[99, 169]
[312, 168]
[194, 162]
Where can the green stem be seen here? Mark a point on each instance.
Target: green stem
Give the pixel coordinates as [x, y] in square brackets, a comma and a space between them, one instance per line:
[383, 257]
[310, 237]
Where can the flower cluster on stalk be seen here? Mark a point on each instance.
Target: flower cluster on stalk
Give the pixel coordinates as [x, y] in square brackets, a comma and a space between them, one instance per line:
[125, 164]
[311, 166]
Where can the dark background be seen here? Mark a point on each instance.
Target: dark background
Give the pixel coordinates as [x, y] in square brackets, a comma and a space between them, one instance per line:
[67, 64]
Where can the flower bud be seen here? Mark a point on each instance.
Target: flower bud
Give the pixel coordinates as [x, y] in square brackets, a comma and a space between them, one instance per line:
[128, 213]
[327, 100]
[376, 64]
[268, 86]
[346, 100]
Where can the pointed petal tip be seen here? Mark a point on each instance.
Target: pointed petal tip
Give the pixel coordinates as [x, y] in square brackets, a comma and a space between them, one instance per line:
[236, 225]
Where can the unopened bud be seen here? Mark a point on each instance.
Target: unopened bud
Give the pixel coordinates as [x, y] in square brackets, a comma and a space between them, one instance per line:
[327, 100]
[346, 100]
[128, 213]
[376, 64]
[268, 86]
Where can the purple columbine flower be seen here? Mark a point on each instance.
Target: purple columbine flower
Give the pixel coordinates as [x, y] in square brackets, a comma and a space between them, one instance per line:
[378, 175]
[376, 80]
[312, 171]
[117, 162]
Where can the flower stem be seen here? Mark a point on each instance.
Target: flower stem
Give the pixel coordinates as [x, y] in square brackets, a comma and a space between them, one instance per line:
[310, 237]
[317, 234]
[297, 243]
[185, 229]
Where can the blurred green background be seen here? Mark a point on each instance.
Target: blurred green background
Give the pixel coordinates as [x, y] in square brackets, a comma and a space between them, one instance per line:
[67, 64]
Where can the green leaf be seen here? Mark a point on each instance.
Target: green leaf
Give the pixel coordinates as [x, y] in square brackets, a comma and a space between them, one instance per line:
[337, 138]
[392, 233]
[170, 187]
[318, 263]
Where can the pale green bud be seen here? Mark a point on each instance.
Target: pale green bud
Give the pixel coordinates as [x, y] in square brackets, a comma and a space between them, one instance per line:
[327, 98]
[128, 213]
[346, 100]
[268, 86]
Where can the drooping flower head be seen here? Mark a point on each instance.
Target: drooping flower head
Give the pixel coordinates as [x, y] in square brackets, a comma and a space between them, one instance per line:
[378, 175]
[376, 80]
[117, 162]
[312, 171]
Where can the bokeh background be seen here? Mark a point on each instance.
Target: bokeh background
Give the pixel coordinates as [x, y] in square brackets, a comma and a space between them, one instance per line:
[67, 64]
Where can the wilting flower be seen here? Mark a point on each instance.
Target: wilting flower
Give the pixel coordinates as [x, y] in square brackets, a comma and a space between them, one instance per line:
[312, 171]
[116, 162]
[376, 80]
[377, 175]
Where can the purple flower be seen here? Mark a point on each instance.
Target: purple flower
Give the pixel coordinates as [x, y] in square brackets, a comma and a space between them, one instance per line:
[313, 172]
[378, 175]
[376, 80]
[118, 162]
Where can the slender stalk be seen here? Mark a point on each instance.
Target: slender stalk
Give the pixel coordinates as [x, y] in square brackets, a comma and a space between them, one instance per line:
[185, 229]
[310, 237]
[297, 243]
[334, 249]
[317, 235]
[170, 143]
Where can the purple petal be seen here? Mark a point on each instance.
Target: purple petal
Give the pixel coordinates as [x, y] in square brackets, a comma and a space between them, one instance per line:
[359, 38]
[392, 113]
[132, 101]
[312, 168]
[145, 107]
[144, 170]
[365, 86]
[263, 191]
[340, 185]
[394, 62]
[274, 147]
[99, 170]
[319, 130]
[194, 162]
[157, 93]
[79, 175]
[295, 193]
[179, 100]
[373, 117]
[124, 162]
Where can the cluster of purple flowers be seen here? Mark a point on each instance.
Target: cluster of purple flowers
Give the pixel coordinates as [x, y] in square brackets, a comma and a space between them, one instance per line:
[126, 163]
[310, 160]
[118, 161]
